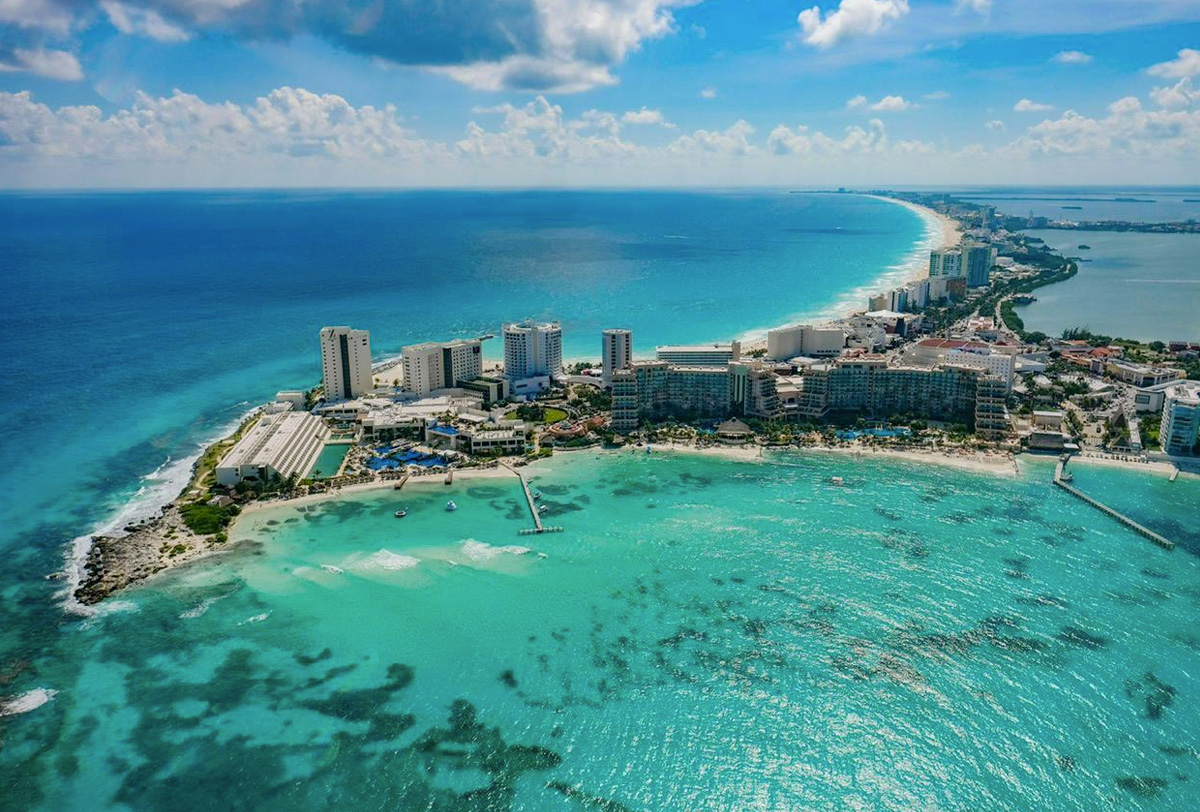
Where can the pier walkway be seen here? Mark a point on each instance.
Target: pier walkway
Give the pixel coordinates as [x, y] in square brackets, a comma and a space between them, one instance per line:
[1142, 530]
[538, 527]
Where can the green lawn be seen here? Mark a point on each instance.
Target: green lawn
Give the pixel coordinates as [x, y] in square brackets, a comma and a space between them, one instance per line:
[550, 415]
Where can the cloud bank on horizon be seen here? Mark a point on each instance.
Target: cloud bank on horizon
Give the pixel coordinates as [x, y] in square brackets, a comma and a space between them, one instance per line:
[596, 92]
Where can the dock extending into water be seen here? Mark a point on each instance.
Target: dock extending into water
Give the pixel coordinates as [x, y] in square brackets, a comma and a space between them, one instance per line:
[1140, 529]
[538, 527]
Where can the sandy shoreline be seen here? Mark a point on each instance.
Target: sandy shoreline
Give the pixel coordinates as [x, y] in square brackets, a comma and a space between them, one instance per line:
[141, 563]
[377, 485]
[951, 231]
[996, 464]
[983, 463]
[1149, 467]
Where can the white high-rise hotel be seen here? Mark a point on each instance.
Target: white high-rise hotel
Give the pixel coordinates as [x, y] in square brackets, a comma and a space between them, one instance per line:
[946, 262]
[616, 352]
[441, 365]
[532, 350]
[345, 362]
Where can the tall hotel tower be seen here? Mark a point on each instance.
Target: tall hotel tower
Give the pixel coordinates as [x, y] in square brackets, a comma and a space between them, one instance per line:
[616, 352]
[345, 362]
[532, 350]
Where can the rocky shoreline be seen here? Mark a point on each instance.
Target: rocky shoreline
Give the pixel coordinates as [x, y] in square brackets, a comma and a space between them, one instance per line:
[116, 562]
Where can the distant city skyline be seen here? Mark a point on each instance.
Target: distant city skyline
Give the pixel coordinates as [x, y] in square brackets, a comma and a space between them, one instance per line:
[625, 93]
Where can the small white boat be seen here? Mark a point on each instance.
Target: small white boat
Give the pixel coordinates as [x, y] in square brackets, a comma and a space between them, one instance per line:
[537, 494]
[451, 506]
[400, 514]
[837, 480]
[332, 568]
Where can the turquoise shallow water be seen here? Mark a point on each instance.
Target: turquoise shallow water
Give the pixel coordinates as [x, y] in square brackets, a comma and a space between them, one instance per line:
[706, 635]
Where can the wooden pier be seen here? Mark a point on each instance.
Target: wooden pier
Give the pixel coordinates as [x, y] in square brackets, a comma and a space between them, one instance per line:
[538, 527]
[1141, 530]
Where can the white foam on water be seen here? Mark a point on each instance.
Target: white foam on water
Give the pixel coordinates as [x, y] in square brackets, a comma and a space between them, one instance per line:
[156, 489]
[255, 619]
[384, 560]
[202, 607]
[24, 703]
[482, 551]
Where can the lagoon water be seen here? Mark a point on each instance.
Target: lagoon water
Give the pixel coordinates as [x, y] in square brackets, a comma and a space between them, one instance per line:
[1139, 286]
[706, 635]
[1137, 205]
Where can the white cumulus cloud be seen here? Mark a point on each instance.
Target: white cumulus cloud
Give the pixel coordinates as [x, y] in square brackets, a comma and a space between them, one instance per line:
[1072, 58]
[784, 140]
[892, 104]
[540, 129]
[646, 116]
[1127, 129]
[1180, 95]
[708, 93]
[1185, 66]
[142, 22]
[978, 6]
[888, 104]
[61, 65]
[524, 45]
[288, 121]
[42, 15]
[995, 125]
[1027, 106]
[852, 18]
[733, 140]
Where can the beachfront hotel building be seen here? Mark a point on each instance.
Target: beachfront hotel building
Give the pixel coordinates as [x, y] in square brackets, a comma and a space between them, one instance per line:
[700, 355]
[532, 350]
[345, 363]
[1179, 431]
[616, 352]
[933, 351]
[280, 445]
[441, 365]
[867, 384]
[657, 389]
[977, 261]
[785, 343]
[945, 262]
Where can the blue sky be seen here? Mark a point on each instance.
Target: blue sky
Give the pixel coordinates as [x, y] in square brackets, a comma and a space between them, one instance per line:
[598, 92]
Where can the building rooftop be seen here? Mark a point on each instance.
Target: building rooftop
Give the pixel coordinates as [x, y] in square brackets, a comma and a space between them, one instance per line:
[727, 347]
[951, 344]
[270, 437]
[1186, 391]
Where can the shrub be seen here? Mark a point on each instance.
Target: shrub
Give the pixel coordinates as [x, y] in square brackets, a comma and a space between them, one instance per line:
[204, 520]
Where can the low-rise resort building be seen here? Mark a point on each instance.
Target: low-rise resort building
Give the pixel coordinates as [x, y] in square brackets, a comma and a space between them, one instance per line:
[282, 444]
